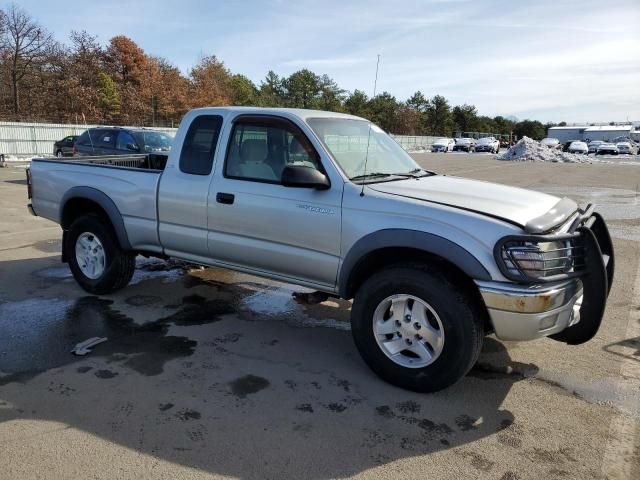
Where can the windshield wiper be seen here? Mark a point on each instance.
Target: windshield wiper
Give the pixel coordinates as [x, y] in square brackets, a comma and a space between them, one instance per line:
[414, 173]
[371, 175]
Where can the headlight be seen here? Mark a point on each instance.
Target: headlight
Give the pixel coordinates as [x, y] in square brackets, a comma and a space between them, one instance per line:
[538, 260]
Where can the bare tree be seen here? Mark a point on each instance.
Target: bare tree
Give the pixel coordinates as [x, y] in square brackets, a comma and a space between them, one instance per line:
[24, 44]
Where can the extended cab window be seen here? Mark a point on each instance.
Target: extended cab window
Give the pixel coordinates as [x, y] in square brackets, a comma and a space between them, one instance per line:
[199, 145]
[260, 149]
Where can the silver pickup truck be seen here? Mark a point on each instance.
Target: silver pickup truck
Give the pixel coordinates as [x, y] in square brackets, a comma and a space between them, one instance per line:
[329, 201]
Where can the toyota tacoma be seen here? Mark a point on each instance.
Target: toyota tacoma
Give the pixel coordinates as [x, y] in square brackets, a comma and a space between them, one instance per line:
[329, 201]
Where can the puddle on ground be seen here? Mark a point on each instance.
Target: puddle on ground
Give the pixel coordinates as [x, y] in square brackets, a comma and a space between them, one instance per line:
[272, 301]
[614, 392]
[146, 269]
[248, 385]
[38, 334]
[59, 273]
[154, 268]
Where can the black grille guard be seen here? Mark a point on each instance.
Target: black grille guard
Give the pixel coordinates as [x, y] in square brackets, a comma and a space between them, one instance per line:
[596, 272]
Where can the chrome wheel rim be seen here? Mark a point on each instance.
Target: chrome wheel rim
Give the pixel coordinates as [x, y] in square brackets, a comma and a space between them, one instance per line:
[90, 255]
[408, 331]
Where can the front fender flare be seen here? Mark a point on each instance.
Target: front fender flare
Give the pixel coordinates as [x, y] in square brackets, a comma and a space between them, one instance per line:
[401, 238]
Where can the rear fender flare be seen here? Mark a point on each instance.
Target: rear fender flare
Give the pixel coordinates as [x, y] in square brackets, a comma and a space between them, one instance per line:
[103, 200]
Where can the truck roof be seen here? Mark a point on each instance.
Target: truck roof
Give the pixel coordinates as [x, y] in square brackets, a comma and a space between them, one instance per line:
[301, 113]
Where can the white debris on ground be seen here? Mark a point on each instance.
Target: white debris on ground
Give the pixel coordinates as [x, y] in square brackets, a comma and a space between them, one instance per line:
[16, 161]
[528, 150]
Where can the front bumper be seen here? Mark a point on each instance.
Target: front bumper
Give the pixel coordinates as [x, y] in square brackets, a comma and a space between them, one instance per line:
[529, 312]
[570, 309]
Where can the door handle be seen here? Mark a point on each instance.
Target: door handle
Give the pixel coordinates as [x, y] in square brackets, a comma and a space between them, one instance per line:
[226, 198]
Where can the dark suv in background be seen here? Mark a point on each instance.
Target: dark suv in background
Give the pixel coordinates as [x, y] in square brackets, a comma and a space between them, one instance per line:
[64, 147]
[122, 141]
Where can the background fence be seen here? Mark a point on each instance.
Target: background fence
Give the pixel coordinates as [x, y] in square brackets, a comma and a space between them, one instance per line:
[414, 142]
[36, 139]
[21, 139]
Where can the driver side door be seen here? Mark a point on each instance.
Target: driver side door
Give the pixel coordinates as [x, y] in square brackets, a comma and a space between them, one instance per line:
[260, 225]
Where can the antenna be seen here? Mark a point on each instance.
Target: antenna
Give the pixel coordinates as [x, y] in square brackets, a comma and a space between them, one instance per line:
[366, 155]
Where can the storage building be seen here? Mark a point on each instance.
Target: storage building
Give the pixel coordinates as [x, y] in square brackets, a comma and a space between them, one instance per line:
[608, 133]
[567, 134]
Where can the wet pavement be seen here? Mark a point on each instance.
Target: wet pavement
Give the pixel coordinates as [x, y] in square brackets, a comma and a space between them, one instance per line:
[210, 373]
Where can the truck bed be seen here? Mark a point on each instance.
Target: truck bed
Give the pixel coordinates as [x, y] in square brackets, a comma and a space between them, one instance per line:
[129, 181]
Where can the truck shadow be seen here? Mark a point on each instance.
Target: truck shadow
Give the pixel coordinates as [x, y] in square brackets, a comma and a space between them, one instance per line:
[620, 348]
[202, 370]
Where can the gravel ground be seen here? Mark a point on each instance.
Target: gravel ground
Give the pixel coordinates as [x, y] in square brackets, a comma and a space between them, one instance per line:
[213, 374]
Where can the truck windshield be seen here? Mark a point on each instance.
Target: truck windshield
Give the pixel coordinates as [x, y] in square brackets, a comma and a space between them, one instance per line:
[347, 140]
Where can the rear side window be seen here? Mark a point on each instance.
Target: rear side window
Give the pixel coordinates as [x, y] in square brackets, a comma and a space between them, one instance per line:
[84, 139]
[124, 139]
[199, 145]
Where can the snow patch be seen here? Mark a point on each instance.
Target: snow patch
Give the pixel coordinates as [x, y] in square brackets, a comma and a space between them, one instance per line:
[528, 150]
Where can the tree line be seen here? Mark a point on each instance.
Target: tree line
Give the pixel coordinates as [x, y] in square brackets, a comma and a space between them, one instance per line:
[42, 79]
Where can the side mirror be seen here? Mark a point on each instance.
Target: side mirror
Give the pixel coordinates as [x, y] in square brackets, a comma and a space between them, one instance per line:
[132, 147]
[299, 176]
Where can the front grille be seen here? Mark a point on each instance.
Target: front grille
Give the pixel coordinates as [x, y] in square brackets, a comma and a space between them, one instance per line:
[524, 260]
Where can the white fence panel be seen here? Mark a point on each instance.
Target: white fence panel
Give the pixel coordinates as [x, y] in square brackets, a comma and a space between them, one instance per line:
[36, 139]
[414, 142]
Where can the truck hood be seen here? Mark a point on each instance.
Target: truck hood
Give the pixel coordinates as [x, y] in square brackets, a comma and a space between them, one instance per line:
[535, 212]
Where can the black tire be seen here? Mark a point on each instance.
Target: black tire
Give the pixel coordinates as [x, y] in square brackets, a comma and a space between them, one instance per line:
[119, 265]
[462, 324]
[59, 154]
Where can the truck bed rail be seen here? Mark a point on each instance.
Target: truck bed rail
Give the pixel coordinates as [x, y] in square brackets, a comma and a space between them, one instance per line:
[141, 161]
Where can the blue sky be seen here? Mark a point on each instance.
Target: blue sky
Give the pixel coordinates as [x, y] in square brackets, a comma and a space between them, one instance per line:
[549, 60]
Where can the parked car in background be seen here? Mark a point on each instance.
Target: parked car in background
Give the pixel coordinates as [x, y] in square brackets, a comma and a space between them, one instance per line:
[121, 141]
[464, 145]
[64, 147]
[443, 145]
[607, 149]
[487, 144]
[593, 146]
[578, 147]
[550, 142]
[566, 145]
[625, 147]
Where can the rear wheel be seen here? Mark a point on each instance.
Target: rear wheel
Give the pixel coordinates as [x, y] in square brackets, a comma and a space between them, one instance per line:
[96, 260]
[59, 153]
[415, 329]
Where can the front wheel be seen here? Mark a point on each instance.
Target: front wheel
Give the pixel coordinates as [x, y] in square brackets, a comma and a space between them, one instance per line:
[59, 154]
[96, 260]
[415, 329]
